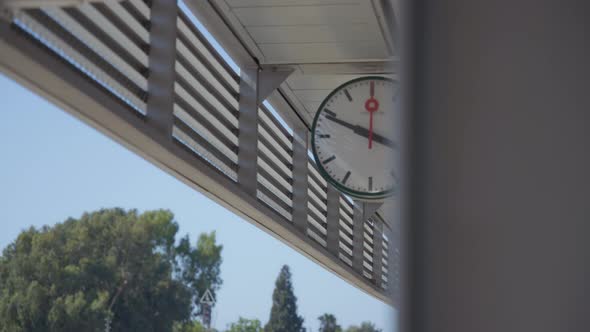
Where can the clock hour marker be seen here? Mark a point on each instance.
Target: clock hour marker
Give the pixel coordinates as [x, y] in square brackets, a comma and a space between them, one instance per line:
[370, 183]
[324, 136]
[347, 94]
[330, 113]
[346, 177]
[328, 160]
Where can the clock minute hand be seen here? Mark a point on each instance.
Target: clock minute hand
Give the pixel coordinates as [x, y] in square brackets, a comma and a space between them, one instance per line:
[376, 137]
[363, 132]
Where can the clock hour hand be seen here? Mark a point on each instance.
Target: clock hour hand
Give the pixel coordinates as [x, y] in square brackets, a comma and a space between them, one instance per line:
[363, 132]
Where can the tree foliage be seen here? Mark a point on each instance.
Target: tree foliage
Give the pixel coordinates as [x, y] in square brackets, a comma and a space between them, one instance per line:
[109, 263]
[365, 327]
[283, 314]
[328, 323]
[246, 325]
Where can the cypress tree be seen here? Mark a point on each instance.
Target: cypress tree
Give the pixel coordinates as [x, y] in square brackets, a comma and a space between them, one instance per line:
[283, 315]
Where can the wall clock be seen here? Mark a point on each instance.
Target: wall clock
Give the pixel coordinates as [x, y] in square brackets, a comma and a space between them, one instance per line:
[353, 139]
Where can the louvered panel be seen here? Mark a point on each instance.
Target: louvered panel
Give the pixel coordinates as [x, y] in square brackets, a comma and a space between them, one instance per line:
[107, 52]
[73, 49]
[188, 31]
[128, 19]
[213, 104]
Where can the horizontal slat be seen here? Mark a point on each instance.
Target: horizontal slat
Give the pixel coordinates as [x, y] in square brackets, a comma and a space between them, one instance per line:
[368, 238]
[276, 204]
[223, 130]
[274, 174]
[216, 119]
[97, 45]
[345, 237]
[345, 259]
[346, 216]
[141, 8]
[277, 136]
[126, 18]
[314, 195]
[193, 63]
[269, 119]
[203, 147]
[271, 151]
[318, 193]
[265, 155]
[275, 146]
[111, 30]
[368, 246]
[346, 227]
[214, 61]
[368, 229]
[319, 227]
[279, 193]
[316, 175]
[197, 123]
[206, 98]
[368, 256]
[78, 57]
[347, 207]
[316, 237]
[320, 215]
[315, 204]
[345, 248]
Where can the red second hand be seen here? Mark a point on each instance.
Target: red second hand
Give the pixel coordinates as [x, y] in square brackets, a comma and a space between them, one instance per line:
[371, 105]
[370, 130]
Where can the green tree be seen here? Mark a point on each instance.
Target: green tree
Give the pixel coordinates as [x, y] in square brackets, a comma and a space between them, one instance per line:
[112, 264]
[365, 327]
[191, 326]
[283, 314]
[328, 323]
[246, 325]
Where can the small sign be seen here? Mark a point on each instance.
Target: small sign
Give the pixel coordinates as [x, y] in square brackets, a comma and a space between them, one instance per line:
[207, 298]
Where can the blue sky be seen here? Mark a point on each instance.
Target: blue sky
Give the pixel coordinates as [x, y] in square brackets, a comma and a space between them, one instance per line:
[53, 167]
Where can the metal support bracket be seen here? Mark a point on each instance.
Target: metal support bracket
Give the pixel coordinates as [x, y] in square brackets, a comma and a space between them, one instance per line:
[362, 212]
[269, 79]
[255, 85]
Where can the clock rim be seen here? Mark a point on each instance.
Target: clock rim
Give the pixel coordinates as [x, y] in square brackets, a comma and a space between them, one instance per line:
[323, 172]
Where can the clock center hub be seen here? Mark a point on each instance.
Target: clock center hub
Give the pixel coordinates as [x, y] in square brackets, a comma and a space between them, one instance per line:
[372, 105]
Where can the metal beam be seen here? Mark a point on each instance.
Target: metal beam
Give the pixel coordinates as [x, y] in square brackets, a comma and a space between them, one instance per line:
[362, 212]
[162, 59]
[255, 85]
[378, 252]
[300, 178]
[248, 131]
[333, 220]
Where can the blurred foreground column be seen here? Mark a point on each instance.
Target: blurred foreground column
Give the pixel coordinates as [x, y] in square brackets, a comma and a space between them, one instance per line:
[499, 193]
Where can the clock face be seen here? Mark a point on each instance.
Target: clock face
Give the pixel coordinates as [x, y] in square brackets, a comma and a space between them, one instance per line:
[353, 137]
